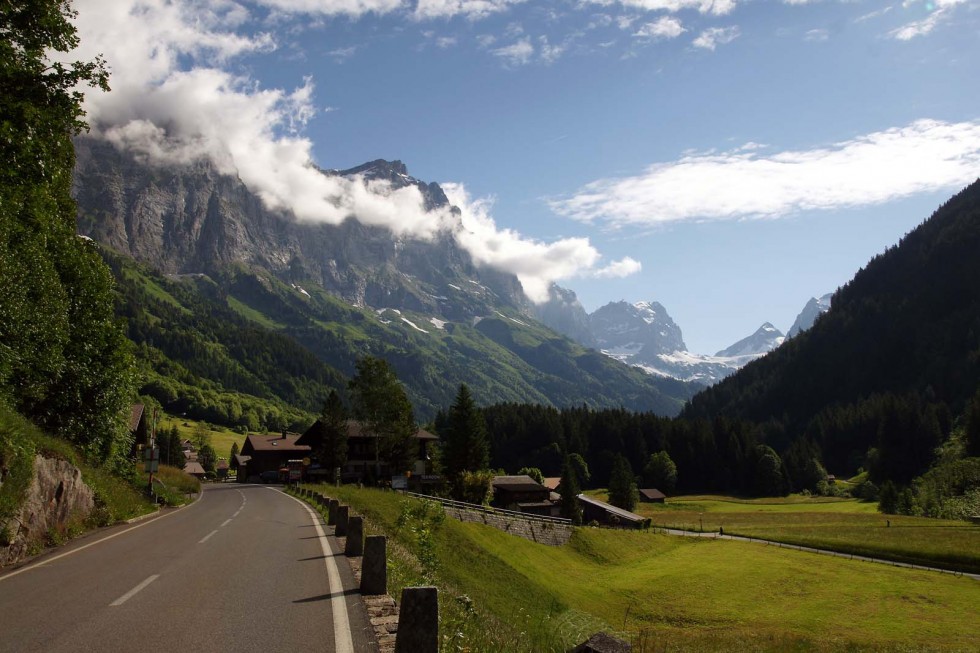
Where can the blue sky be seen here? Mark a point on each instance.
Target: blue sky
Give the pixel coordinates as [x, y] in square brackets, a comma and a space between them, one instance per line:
[728, 159]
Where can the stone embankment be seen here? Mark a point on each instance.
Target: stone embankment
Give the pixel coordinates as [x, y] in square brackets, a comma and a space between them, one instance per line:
[552, 534]
[56, 498]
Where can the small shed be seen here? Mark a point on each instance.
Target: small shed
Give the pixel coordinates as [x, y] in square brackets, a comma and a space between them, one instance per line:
[603, 513]
[195, 469]
[602, 643]
[512, 491]
[652, 495]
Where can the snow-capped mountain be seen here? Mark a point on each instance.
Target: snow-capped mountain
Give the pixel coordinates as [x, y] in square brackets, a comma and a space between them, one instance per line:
[644, 328]
[644, 335]
[813, 309]
[764, 340]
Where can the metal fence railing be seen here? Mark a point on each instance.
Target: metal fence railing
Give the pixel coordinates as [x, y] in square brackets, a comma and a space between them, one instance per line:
[461, 505]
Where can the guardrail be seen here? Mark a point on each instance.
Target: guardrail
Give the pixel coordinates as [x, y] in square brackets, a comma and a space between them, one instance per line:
[450, 503]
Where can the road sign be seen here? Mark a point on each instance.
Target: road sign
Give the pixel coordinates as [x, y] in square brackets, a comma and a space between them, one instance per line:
[151, 459]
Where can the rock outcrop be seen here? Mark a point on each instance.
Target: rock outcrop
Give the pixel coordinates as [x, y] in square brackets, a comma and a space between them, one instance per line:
[56, 498]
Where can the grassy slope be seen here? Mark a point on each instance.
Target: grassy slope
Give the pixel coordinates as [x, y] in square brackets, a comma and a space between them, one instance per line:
[692, 594]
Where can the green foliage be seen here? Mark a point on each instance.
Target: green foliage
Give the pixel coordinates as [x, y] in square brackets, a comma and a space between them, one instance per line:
[948, 490]
[379, 402]
[476, 487]
[660, 472]
[622, 485]
[422, 519]
[63, 361]
[17, 451]
[770, 479]
[533, 472]
[208, 458]
[581, 469]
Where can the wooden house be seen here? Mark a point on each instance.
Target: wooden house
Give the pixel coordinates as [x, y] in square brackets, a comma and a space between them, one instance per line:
[268, 453]
[652, 495]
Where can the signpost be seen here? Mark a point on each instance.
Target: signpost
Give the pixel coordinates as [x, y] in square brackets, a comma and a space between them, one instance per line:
[151, 462]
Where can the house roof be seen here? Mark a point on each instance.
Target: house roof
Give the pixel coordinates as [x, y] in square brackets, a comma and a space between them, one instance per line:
[653, 493]
[613, 510]
[135, 415]
[552, 482]
[355, 429]
[240, 459]
[255, 443]
[193, 468]
[522, 483]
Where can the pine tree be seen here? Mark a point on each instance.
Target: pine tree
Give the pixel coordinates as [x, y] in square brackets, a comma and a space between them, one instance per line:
[622, 485]
[972, 426]
[465, 447]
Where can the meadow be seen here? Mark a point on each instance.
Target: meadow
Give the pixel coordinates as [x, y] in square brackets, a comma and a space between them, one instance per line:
[503, 593]
[221, 438]
[845, 525]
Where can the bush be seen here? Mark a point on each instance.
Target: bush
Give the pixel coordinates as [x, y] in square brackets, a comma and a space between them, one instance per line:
[476, 487]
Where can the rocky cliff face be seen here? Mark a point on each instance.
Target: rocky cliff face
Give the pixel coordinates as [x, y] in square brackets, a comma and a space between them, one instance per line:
[56, 497]
[192, 219]
[563, 313]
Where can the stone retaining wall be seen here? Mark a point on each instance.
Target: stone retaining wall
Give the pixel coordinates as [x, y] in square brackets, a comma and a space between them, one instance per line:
[541, 532]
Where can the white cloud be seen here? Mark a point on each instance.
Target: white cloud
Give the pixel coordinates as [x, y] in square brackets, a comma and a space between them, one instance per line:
[516, 54]
[624, 267]
[940, 11]
[666, 27]
[816, 35]
[712, 37]
[444, 42]
[713, 7]
[925, 156]
[550, 53]
[341, 55]
[485, 40]
[470, 9]
[352, 8]
[535, 263]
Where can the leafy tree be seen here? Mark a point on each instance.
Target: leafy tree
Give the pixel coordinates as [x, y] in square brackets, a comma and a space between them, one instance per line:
[63, 361]
[476, 487]
[465, 447]
[622, 485]
[569, 492]
[333, 427]
[379, 402]
[661, 472]
[770, 481]
[533, 472]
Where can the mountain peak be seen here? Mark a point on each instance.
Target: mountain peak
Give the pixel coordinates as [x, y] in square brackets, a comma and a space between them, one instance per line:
[765, 339]
[814, 308]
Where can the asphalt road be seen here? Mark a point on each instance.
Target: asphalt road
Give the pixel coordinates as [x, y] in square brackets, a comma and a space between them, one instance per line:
[245, 568]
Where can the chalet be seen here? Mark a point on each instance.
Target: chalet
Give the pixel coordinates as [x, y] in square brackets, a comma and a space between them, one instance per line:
[268, 453]
[364, 457]
[553, 483]
[594, 510]
[652, 495]
[522, 493]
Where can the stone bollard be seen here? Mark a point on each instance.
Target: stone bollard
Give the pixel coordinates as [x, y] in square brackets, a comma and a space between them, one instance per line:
[374, 566]
[332, 512]
[343, 515]
[418, 621]
[355, 536]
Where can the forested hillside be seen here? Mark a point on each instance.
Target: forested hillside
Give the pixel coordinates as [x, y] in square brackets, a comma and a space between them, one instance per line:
[895, 358]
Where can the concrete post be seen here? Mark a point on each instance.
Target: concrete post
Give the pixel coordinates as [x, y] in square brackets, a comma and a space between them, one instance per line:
[355, 536]
[374, 566]
[418, 621]
[332, 512]
[343, 514]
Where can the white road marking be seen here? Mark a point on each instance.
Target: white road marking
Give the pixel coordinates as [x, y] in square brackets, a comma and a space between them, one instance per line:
[225, 523]
[343, 643]
[133, 592]
[147, 522]
[208, 536]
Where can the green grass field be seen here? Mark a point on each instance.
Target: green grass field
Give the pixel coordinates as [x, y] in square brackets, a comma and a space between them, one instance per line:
[845, 525]
[673, 593]
[221, 438]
